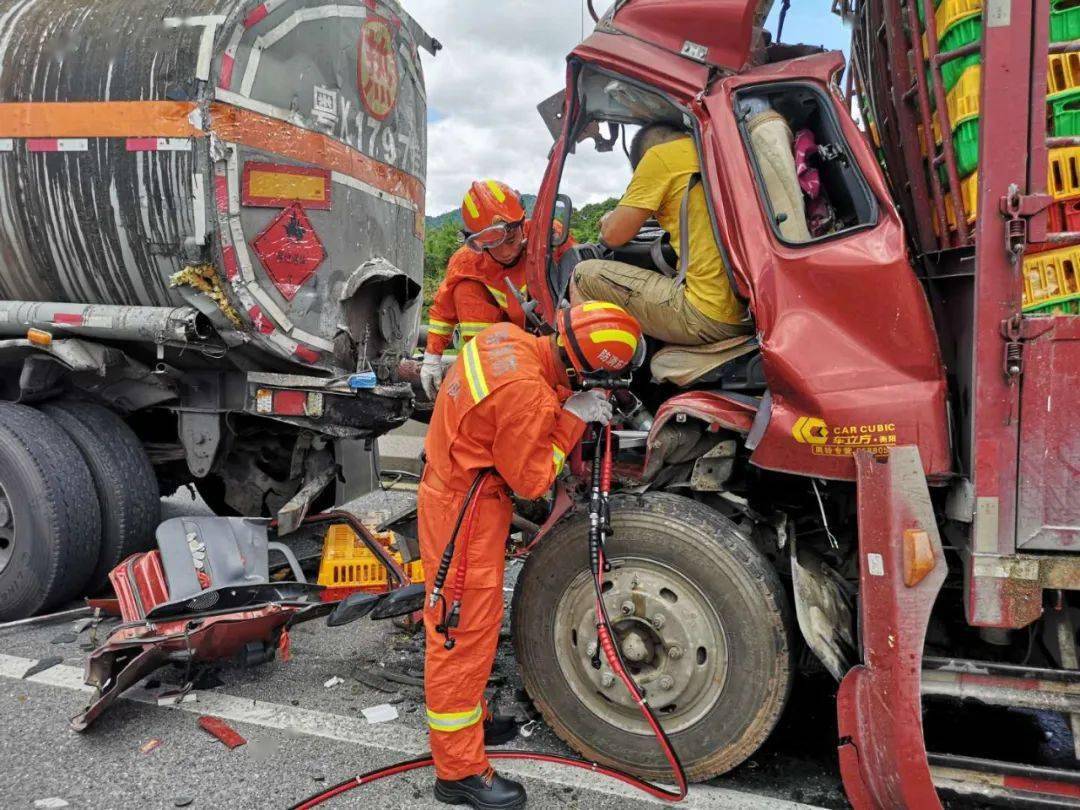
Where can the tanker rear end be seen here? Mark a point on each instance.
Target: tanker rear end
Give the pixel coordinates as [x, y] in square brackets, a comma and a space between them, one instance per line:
[211, 225]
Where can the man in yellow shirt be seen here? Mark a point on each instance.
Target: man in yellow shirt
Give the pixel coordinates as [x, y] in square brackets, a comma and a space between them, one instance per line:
[703, 309]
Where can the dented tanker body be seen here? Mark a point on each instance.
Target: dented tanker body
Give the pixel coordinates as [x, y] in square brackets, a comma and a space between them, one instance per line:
[255, 168]
[244, 159]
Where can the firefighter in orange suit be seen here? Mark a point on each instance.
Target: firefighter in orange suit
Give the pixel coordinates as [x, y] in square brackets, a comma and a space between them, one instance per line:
[475, 292]
[505, 408]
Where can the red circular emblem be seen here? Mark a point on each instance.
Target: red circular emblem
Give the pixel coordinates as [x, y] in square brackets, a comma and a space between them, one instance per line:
[377, 67]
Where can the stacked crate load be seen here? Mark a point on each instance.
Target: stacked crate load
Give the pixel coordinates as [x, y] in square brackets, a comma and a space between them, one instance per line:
[1051, 271]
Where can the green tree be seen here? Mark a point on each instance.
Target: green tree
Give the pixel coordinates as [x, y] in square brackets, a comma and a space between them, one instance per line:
[585, 222]
[439, 245]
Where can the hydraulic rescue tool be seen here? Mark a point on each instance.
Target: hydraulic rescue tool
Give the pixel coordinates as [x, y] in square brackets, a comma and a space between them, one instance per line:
[599, 529]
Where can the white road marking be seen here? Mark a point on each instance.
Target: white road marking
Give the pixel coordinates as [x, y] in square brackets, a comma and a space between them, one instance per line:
[384, 736]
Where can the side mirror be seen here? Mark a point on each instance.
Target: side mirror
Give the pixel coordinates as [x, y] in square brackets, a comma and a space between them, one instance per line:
[352, 607]
[400, 602]
[564, 210]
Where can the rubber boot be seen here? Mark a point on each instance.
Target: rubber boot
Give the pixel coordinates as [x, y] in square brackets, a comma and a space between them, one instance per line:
[499, 729]
[485, 791]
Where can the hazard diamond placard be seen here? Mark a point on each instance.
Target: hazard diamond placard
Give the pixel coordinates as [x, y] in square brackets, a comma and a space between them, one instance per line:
[290, 250]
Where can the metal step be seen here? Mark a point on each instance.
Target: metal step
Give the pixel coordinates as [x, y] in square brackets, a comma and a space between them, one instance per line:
[1056, 690]
[1011, 783]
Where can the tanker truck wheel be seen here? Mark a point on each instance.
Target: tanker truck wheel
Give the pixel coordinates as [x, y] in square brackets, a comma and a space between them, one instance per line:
[127, 489]
[50, 524]
[702, 622]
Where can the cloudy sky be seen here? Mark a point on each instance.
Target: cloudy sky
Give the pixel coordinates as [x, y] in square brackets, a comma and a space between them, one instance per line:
[499, 59]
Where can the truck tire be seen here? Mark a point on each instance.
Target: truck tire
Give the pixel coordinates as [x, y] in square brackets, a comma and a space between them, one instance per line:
[49, 516]
[127, 489]
[701, 618]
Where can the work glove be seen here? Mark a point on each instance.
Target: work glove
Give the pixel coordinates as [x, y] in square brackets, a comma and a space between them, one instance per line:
[590, 406]
[431, 374]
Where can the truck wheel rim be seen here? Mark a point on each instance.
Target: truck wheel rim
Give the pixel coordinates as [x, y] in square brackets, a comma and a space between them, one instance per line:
[7, 530]
[670, 635]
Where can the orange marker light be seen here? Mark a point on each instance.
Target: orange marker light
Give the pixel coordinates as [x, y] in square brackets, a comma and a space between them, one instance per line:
[918, 556]
[39, 338]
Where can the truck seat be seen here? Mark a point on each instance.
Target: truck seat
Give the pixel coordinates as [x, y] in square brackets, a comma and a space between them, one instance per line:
[734, 364]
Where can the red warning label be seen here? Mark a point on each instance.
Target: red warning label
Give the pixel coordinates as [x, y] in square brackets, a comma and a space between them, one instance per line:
[290, 250]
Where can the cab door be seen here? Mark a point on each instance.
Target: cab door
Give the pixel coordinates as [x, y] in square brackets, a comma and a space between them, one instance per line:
[848, 345]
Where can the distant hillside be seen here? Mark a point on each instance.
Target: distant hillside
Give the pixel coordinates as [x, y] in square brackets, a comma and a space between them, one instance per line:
[454, 216]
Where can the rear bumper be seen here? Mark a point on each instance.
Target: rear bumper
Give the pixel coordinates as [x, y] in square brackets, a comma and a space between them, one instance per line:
[328, 406]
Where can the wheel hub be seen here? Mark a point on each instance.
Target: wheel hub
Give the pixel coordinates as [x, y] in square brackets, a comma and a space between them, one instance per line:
[7, 530]
[669, 635]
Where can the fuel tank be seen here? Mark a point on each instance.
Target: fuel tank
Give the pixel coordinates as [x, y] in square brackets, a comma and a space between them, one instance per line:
[262, 162]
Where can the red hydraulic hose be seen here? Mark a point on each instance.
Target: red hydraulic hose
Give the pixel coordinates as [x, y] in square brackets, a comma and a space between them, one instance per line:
[605, 636]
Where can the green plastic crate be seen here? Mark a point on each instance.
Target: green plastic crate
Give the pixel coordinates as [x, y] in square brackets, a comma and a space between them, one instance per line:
[921, 6]
[966, 146]
[1064, 20]
[963, 33]
[1065, 113]
[1069, 305]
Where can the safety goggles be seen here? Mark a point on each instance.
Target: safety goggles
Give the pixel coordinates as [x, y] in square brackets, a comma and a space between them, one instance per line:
[494, 235]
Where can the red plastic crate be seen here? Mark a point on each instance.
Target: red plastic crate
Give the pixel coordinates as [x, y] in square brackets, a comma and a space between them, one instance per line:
[1064, 215]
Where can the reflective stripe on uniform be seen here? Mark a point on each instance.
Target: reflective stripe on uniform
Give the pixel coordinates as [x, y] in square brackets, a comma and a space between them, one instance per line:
[498, 295]
[470, 329]
[440, 327]
[474, 372]
[558, 457]
[454, 721]
[616, 335]
[471, 204]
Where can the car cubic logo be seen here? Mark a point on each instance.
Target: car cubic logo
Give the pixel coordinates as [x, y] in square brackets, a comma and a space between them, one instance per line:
[810, 430]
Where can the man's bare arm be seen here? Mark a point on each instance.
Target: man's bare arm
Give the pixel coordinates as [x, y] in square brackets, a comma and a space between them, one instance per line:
[621, 225]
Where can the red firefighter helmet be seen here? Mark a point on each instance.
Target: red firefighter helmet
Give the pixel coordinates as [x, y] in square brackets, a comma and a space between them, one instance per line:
[488, 202]
[599, 336]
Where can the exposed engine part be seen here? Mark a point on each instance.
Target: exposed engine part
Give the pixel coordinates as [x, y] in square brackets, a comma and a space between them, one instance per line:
[823, 609]
[712, 470]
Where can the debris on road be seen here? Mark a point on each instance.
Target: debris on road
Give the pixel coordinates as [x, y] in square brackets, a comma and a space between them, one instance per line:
[383, 713]
[149, 745]
[47, 618]
[217, 727]
[42, 665]
[330, 684]
[174, 697]
[51, 802]
[182, 801]
[66, 638]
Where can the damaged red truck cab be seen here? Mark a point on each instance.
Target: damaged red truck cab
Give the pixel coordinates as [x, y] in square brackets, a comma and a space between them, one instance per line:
[883, 361]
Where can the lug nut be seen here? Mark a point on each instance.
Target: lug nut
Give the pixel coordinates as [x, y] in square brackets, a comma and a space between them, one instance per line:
[658, 620]
[607, 679]
[666, 682]
[5, 513]
[674, 651]
[627, 608]
[591, 649]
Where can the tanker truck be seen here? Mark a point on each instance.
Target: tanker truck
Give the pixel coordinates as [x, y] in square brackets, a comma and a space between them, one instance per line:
[211, 227]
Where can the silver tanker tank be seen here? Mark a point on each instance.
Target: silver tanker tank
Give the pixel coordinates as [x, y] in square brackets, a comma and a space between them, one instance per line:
[258, 163]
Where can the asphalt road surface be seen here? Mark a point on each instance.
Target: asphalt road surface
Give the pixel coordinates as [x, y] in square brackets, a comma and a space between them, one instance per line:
[303, 736]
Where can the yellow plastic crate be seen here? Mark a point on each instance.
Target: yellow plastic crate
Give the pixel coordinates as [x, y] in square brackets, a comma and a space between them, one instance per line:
[1051, 277]
[347, 563]
[951, 12]
[969, 193]
[1062, 72]
[1063, 181]
[962, 101]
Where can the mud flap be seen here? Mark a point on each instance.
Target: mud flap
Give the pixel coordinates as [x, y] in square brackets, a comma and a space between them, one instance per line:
[882, 753]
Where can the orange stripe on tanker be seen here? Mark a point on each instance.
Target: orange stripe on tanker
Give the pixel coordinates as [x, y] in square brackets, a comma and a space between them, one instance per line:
[97, 119]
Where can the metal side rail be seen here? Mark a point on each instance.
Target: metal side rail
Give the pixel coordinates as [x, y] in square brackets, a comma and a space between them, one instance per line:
[1056, 690]
[1006, 782]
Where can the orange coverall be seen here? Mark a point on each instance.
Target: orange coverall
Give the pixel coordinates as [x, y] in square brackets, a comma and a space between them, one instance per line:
[498, 409]
[474, 295]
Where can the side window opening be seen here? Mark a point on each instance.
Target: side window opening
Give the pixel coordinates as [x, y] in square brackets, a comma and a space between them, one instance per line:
[810, 184]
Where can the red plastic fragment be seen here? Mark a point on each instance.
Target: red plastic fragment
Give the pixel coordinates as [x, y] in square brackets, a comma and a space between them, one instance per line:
[217, 727]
